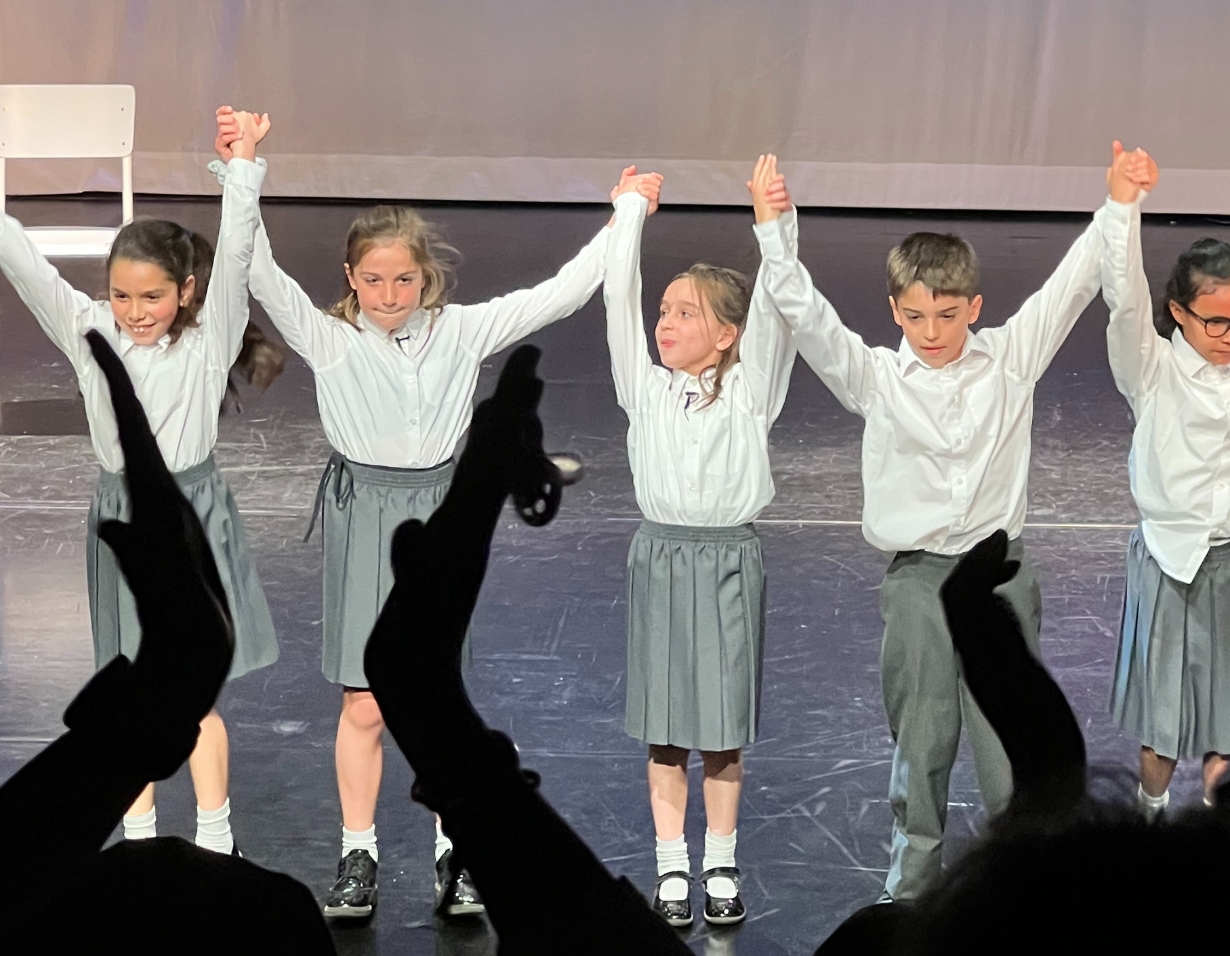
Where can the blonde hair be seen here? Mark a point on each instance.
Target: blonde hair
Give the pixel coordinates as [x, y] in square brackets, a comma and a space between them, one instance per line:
[726, 294]
[388, 224]
[944, 264]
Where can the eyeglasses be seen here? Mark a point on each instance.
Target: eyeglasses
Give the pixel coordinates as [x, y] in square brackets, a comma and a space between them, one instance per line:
[1214, 327]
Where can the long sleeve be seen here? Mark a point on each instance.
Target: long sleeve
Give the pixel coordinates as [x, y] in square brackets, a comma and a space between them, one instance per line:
[224, 314]
[1131, 341]
[625, 327]
[838, 356]
[766, 350]
[1031, 338]
[491, 326]
[318, 338]
[62, 311]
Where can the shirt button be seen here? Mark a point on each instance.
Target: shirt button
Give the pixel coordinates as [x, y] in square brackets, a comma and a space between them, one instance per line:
[409, 379]
[958, 481]
[414, 421]
[695, 441]
[1221, 486]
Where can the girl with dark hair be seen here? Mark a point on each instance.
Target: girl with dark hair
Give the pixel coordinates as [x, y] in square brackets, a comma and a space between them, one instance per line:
[698, 446]
[177, 340]
[396, 367]
[1172, 677]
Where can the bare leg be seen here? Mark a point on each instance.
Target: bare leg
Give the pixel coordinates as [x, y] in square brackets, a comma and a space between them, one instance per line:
[359, 756]
[668, 789]
[144, 803]
[723, 788]
[1155, 771]
[209, 763]
[1214, 769]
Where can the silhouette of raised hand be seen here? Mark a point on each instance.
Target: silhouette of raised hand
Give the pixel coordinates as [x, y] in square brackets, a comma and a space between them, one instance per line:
[1023, 703]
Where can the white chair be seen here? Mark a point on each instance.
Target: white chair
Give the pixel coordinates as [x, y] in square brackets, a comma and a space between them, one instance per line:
[60, 121]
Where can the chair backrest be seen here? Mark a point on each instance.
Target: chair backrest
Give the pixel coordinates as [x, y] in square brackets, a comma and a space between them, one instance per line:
[69, 121]
[57, 121]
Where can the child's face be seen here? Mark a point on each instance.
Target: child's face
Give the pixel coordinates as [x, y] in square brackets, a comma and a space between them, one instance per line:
[388, 283]
[689, 338]
[935, 326]
[1215, 304]
[145, 300]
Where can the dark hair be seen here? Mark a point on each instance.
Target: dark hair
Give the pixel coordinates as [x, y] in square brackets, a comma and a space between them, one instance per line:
[179, 252]
[944, 264]
[1205, 265]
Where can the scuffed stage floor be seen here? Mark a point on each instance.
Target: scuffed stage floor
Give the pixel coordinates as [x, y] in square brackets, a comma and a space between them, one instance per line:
[549, 631]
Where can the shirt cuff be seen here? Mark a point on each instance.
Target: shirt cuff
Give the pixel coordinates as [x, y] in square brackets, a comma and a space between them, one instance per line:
[772, 237]
[633, 200]
[222, 170]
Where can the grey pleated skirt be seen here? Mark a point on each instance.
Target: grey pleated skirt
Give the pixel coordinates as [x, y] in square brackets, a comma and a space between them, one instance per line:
[113, 611]
[1172, 676]
[695, 636]
[360, 508]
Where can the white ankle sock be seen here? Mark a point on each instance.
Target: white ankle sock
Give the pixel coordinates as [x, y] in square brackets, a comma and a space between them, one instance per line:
[141, 826]
[443, 843]
[213, 828]
[719, 851]
[1152, 806]
[361, 840]
[673, 855]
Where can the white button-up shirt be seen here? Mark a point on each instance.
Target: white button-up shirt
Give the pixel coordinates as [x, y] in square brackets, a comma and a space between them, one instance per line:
[945, 451]
[403, 399]
[701, 466]
[1180, 459]
[180, 384]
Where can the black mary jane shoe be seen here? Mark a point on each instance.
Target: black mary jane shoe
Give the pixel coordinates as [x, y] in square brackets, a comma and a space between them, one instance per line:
[721, 910]
[675, 912]
[456, 894]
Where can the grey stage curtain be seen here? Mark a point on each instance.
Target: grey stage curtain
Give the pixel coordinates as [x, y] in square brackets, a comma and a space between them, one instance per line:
[991, 104]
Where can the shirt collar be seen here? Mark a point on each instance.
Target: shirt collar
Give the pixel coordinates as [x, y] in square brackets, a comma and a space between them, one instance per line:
[411, 327]
[681, 379]
[907, 358]
[1190, 361]
[127, 344]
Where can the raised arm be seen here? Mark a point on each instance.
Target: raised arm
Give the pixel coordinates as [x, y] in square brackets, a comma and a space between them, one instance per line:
[224, 314]
[631, 365]
[491, 326]
[1132, 343]
[62, 311]
[766, 350]
[838, 356]
[318, 338]
[1030, 339]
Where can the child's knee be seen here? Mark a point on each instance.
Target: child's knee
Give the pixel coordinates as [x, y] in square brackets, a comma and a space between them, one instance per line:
[360, 711]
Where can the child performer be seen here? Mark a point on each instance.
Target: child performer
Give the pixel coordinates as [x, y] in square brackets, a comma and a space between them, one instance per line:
[698, 447]
[178, 358]
[396, 367]
[945, 463]
[1172, 678]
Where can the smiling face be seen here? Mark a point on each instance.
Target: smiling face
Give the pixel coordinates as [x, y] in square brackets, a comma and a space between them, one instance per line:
[1212, 304]
[690, 338]
[935, 326]
[388, 283]
[145, 300]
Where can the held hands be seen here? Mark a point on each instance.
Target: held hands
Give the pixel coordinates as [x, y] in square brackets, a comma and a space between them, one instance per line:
[770, 198]
[648, 185]
[1130, 173]
[239, 132]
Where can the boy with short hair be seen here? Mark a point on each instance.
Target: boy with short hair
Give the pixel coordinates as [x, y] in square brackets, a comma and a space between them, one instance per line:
[945, 463]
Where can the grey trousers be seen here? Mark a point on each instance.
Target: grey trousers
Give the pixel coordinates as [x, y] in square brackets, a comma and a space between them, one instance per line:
[927, 703]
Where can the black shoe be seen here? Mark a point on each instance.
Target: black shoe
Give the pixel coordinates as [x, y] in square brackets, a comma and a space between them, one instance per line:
[354, 893]
[675, 912]
[719, 909]
[456, 894]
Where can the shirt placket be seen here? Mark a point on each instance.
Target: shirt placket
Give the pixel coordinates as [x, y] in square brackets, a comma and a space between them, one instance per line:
[693, 433]
[958, 431]
[1220, 517]
[410, 379]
